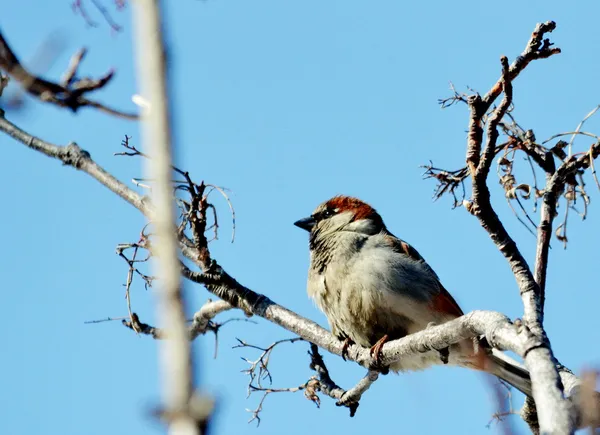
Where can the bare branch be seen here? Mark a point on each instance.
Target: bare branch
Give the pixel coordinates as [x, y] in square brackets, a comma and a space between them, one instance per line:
[69, 94]
[555, 186]
[579, 126]
[71, 71]
[108, 319]
[3, 82]
[266, 391]
[350, 398]
[259, 372]
[203, 317]
[200, 325]
[537, 48]
[483, 168]
[73, 155]
[78, 7]
[136, 325]
[259, 369]
[132, 269]
[553, 411]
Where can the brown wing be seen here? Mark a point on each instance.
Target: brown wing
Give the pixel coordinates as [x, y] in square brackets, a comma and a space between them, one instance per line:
[443, 302]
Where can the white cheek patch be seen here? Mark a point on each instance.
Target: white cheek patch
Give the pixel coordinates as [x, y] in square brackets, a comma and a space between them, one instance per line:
[363, 226]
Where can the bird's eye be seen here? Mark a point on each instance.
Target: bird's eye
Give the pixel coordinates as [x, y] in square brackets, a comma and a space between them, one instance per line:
[328, 212]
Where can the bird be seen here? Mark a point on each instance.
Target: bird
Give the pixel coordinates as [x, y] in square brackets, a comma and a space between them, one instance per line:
[374, 287]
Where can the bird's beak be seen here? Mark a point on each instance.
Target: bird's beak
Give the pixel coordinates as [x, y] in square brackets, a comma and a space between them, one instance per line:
[306, 223]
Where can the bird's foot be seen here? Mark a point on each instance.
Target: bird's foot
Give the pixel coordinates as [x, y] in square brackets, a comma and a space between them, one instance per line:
[376, 355]
[347, 343]
[445, 352]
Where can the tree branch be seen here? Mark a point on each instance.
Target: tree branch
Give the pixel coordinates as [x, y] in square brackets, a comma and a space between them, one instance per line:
[201, 322]
[554, 412]
[537, 48]
[349, 398]
[70, 93]
[72, 155]
[555, 184]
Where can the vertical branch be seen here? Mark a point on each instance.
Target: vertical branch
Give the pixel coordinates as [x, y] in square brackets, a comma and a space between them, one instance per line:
[554, 412]
[544, 234]
[489, 151]
[475, 136]
[556, 179]
[156, 134]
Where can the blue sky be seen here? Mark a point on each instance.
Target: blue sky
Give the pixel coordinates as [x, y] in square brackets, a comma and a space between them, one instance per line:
[286, 104]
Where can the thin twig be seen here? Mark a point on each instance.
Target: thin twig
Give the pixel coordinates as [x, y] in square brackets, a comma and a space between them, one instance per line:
[108, 319]
[578, 129]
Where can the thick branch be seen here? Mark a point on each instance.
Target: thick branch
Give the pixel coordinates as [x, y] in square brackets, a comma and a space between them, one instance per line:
[496, 327]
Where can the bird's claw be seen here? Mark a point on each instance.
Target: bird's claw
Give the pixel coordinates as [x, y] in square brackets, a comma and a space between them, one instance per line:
[444, 354]
[347, 343]
[375, 353]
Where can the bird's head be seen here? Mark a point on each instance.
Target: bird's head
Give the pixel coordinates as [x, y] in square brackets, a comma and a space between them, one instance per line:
[342, 213]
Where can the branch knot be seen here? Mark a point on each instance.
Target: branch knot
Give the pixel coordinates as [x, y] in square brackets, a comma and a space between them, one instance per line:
[74, 155]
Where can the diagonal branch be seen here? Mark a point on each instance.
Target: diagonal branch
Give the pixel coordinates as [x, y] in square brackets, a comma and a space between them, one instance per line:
[72, 155]
[71, 93]
[201, 322]
[537, 48]
[348, 398]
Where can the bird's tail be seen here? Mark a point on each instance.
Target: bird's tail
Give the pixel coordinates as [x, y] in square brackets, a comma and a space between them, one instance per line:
[509, 371]
[482, 357]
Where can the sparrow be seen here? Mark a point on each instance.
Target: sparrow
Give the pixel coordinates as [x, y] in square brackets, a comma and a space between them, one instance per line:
[374, 287]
